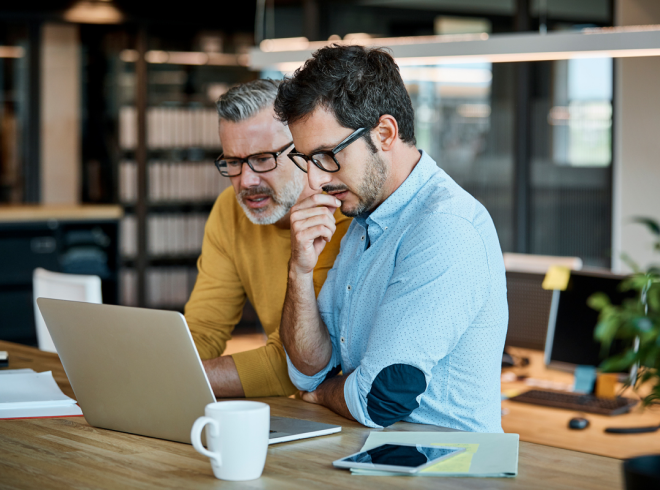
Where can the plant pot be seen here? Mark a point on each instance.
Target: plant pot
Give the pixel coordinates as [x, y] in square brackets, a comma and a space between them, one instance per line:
[642, 472]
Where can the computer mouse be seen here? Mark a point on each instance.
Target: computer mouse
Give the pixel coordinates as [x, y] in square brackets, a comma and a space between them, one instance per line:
[578, 423]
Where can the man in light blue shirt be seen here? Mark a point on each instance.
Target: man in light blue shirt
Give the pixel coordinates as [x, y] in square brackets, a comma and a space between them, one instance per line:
[414, 311]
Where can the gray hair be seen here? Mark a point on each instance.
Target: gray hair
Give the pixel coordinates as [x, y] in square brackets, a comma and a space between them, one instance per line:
[247, 99]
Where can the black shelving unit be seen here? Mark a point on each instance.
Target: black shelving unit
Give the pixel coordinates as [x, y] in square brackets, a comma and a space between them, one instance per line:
[166, 141]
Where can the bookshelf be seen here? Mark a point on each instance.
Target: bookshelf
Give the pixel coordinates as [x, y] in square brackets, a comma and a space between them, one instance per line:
[166, 181]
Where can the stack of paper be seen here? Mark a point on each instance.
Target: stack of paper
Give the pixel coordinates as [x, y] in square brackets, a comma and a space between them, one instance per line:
[486, 455]
[26, 394]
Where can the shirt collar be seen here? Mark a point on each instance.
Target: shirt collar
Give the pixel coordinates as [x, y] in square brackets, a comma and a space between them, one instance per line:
[387, 213]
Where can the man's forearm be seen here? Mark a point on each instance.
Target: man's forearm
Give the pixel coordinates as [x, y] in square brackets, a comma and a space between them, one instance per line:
[223, 377]
[330, 394]
[303, 333]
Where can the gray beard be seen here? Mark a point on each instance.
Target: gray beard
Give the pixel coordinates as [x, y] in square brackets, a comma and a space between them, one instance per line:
[283, 201]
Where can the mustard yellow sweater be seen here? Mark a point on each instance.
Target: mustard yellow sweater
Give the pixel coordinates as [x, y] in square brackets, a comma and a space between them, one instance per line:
[239, 260]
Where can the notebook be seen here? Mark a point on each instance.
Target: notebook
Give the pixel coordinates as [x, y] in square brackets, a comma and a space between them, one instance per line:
[26, 394]
[486, 455]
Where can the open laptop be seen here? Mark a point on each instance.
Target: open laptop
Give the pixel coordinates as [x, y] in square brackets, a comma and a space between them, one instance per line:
[137, 370]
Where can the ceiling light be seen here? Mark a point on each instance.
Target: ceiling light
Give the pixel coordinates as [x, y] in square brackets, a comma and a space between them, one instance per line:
[284, 44]
[94, 12]
[357, 36]
[446, 75]
[621, 42]
[156, 56]
[186, 58]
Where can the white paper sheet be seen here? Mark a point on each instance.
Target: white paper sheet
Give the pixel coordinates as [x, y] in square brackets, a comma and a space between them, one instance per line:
[27, 413]
[31, 390]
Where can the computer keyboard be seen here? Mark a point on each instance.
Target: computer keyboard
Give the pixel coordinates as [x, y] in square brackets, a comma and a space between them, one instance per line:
[576, 401]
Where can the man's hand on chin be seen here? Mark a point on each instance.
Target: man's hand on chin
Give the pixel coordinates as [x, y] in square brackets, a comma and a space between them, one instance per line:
[312, 226]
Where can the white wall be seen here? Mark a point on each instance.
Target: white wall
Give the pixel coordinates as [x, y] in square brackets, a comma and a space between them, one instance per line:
[636, 143]
[60, 114]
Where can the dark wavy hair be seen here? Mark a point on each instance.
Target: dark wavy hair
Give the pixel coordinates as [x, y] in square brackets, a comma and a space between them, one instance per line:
[357, 84]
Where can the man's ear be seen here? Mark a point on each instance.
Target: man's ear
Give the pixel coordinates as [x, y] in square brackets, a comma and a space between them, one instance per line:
[387, 132]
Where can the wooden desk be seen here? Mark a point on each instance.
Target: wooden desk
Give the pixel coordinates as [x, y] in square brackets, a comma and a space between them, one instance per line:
[549, 426]
[68, 453]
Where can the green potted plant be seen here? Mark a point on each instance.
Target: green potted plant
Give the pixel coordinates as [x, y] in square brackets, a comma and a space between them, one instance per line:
[636, 322]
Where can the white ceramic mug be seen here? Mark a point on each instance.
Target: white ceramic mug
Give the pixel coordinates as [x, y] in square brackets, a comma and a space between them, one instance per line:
[237, 438]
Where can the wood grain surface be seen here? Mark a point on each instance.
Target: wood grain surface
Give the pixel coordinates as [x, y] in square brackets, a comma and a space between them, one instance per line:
[67, 453]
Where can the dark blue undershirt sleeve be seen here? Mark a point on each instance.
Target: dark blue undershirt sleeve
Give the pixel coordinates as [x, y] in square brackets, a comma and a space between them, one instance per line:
[332, 373]
[394, 392]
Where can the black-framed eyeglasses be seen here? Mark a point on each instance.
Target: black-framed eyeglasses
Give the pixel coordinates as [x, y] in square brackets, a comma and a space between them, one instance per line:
[324, 159]
[259, 162]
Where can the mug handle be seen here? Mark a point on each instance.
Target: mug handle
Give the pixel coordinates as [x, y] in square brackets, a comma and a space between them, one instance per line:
[196, 437]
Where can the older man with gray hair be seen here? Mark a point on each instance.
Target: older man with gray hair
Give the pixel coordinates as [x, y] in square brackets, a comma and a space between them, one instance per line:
[247, 245]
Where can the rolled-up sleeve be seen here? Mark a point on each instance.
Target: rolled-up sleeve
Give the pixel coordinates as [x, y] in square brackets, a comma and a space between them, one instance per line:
[310, 383]
[438, 287]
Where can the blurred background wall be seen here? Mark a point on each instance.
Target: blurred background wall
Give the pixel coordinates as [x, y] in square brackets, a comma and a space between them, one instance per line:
[561, 153]
[637, 168]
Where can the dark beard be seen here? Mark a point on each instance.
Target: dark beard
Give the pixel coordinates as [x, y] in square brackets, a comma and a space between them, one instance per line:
[369, 189]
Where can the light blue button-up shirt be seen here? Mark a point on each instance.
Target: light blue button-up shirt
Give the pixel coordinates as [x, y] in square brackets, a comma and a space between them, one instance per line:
[418, 317]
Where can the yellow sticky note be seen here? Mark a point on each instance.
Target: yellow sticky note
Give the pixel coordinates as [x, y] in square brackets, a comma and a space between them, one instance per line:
[557, 278]
[457, 464]
[513, 392]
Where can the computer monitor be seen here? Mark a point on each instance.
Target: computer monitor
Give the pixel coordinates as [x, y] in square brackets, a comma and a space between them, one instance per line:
[570, 338]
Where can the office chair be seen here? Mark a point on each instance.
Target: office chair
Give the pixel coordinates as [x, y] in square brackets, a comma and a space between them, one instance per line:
[529, 303]
[55, 285]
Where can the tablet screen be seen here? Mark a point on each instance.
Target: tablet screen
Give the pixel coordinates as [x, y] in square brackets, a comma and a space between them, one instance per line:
[396, 455]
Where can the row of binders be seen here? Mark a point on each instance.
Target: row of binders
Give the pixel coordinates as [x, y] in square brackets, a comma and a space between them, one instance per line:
[166, 287]
[168, 234]
[171, 127]
[173, 181]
